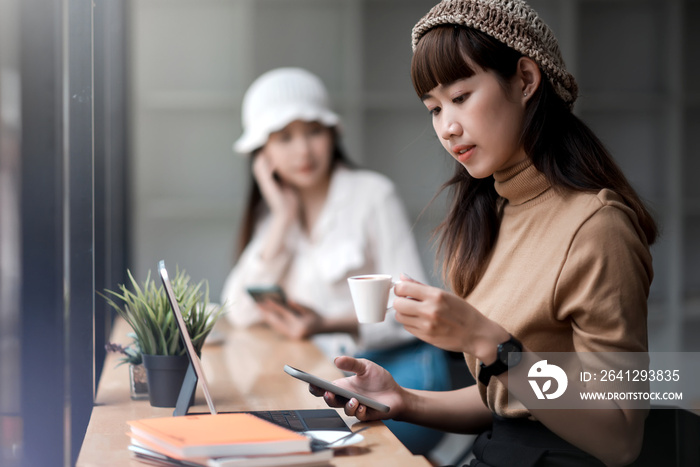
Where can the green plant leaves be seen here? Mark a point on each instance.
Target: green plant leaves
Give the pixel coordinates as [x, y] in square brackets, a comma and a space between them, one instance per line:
[146, 309]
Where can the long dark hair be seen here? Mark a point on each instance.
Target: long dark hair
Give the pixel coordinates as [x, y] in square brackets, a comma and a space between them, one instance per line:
[256, 201]
[559, 144]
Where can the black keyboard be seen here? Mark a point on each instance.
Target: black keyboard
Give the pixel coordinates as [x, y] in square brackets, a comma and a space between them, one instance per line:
[301, 419]
[283, 418]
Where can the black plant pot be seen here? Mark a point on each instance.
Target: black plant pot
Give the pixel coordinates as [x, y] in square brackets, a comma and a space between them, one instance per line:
[165, 375]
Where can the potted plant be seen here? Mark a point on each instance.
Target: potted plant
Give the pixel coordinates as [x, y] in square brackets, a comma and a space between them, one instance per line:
[146, 309]
[131, 354]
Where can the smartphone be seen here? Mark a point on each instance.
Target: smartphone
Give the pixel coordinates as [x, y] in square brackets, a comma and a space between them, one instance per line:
[337, 390]
[261, 293]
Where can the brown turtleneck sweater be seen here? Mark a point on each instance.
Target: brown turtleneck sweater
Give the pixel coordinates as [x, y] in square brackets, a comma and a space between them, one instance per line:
[570, 271]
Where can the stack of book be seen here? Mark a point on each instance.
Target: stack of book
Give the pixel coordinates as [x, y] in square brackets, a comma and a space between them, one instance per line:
[222, 440]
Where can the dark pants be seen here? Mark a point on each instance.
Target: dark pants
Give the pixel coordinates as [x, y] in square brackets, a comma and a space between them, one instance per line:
[525, 443]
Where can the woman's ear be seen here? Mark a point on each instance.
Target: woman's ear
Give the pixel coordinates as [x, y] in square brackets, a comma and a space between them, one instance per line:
[528, 77]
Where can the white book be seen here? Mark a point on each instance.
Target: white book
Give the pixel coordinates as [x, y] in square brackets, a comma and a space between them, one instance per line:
[310, 459]
[306, 459]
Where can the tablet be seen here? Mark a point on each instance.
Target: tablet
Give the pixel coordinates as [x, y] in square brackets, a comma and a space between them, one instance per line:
[310, 420]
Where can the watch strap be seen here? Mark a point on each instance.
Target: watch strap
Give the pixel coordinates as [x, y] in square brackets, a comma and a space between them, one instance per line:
[501, 365]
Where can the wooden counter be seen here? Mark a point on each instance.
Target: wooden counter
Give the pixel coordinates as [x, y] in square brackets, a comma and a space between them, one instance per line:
[244, 373]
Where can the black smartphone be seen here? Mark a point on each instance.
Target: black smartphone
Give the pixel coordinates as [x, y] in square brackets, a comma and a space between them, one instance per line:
[337, 390]
[260, 293]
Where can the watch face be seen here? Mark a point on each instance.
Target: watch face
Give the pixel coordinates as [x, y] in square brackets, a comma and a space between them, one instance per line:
[510, 354]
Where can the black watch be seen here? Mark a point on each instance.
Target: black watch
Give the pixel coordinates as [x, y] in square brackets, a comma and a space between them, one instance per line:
[513, 347]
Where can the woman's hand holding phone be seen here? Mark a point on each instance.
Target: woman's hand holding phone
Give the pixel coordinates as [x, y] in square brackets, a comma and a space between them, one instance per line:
[370, 380]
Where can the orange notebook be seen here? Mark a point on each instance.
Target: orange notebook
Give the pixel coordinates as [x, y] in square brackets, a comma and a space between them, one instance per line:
[229, 434]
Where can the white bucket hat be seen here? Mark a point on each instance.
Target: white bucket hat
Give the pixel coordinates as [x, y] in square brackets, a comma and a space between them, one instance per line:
[276, 99]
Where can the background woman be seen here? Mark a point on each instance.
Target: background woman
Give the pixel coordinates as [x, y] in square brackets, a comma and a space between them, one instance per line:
[312, 221]
[546, 245]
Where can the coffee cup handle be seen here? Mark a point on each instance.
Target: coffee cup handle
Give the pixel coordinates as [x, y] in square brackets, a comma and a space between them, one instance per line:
[393, 284]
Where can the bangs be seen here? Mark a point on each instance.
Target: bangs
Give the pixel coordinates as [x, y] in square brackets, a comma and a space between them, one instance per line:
[439, 58]
[447, 53]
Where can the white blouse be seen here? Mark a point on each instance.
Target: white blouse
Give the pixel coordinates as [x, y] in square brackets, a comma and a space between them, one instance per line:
[362, 229]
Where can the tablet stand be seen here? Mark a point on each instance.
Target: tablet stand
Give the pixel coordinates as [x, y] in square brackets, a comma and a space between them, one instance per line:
[184, 399]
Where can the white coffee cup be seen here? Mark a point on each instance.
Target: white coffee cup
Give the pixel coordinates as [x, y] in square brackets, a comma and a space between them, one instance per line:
[370, 295]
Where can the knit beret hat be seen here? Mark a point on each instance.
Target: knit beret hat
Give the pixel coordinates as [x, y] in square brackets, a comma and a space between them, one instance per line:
[512, 22]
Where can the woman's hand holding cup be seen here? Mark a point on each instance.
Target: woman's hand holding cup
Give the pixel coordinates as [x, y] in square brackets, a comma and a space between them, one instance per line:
[370, 295]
